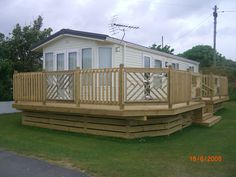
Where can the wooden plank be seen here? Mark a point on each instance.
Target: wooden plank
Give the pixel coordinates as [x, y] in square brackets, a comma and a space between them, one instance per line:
[145, 70]
[106, 84]
[169, 95]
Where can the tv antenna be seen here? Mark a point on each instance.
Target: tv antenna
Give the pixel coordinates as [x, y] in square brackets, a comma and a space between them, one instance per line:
[116, 28]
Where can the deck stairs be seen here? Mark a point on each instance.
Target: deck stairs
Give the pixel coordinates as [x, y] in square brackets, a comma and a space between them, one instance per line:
[208, 119]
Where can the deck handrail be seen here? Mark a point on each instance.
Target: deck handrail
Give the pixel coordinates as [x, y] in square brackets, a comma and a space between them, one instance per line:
[117, 86]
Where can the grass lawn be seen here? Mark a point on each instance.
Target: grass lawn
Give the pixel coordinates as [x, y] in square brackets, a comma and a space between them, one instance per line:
[149, 157]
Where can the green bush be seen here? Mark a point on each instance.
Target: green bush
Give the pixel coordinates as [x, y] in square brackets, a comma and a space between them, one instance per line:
[5, 80]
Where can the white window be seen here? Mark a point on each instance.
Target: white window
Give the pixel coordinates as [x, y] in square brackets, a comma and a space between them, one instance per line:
[157, 79]
[105, 57]
[191, 68]
[146, 62]
[86, 58]
[60, 61]
[166, 64]
[72, 60]
[49, 61]
[175, 66]
[157, 64]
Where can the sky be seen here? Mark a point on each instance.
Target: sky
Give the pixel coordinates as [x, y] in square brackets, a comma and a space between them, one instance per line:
[182, 23]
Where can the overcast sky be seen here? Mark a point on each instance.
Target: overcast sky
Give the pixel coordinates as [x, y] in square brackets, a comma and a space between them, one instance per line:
[183, 23]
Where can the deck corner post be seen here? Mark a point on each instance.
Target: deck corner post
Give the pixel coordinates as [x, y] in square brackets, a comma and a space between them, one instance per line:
[170, 88]
[44, 86]
[77, 86]
[15, 93]
[121, 86]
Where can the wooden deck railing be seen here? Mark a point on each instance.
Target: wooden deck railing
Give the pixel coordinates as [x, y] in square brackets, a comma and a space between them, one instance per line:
[28, 86]
[213, 86]
[117, 86]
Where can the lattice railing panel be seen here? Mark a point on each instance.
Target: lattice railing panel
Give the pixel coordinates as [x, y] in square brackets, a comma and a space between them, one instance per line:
[60, 86]
[145, 86]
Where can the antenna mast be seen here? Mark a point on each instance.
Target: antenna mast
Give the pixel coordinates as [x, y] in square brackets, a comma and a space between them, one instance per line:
[115, 28]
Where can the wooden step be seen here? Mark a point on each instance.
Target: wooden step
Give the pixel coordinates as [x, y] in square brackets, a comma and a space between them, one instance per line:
[207, 115]
[208, 122]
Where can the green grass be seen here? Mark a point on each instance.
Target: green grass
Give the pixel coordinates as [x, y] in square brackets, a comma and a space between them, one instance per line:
[103, 156]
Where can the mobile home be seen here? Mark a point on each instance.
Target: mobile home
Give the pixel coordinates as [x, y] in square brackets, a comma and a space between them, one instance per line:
[96, 84]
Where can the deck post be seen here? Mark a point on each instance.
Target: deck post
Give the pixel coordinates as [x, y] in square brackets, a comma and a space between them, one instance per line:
[170, 88]
[44, 87]
[201, 85]
[212, 86]
[121, 86]
[190, 87]
[15, 90]
[220, 87]
[77, 86]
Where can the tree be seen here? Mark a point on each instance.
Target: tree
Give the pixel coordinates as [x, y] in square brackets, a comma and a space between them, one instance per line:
[203, 54]
[5, 80]
[15, 53]
[166, 48]
[21, 40]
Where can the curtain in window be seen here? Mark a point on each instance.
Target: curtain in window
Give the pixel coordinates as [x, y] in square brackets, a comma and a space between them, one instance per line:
[72, 60]
[49, 61]
[105, 57]
[60, 62]
[86, 58]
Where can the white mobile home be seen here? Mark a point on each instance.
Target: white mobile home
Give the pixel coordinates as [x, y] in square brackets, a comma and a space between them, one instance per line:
[128, 93]
[68, 49]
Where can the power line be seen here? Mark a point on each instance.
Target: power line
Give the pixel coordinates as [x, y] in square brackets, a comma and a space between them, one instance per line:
[195, 28]
[223, 11]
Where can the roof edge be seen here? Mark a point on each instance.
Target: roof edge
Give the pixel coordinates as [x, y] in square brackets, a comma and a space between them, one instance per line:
[137, 46]
[69, 32]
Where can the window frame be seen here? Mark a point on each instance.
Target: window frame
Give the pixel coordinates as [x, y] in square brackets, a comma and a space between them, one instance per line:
[150, 62]
[56, 66]
[112, 53]
[44, 64]
[154, 63]
[68, 59]
[81, 57]
[98, 61]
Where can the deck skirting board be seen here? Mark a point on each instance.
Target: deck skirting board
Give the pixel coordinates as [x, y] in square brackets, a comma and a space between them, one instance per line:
[115, 127]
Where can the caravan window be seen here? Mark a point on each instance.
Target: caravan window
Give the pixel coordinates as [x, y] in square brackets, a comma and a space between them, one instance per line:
[147, 62]
[60, 61]
[105, 57]
[105, 61]
[86, 58]
[175, 66]
[72, 60]
[157, 64]
[191, 68]
[49, 61]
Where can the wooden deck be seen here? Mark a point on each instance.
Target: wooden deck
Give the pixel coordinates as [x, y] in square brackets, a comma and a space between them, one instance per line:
[160, 101]
[132, 111]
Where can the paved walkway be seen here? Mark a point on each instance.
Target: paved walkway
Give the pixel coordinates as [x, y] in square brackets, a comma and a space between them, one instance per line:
[13, 165]
[6, 107]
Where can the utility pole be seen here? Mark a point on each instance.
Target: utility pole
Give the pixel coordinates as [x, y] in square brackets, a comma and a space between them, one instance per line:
[214, 39]
[162, 42]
